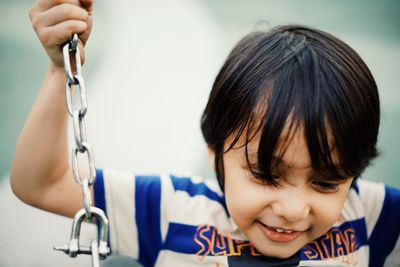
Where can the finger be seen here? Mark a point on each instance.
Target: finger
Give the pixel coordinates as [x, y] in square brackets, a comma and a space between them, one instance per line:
[62, 32]
[84, 36]
[88, 5]
[60, 13]
[42, 5]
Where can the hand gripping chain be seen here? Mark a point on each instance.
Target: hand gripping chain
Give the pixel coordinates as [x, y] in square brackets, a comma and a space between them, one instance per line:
[98, 248]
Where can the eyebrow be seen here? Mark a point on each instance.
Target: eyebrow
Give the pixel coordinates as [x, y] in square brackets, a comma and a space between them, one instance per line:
[278, 161]
[275, 160]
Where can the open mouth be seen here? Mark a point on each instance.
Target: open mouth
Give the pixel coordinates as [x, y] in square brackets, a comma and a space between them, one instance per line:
[278, 234]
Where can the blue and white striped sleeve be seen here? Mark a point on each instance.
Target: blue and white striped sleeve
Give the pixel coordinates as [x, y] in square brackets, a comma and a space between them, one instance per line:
[133, 207]
[382, 214]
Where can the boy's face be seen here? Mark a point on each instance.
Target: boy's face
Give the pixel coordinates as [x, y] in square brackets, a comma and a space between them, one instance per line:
[303, 205]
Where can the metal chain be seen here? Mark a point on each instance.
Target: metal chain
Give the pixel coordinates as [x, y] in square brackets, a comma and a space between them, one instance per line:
[98, 248]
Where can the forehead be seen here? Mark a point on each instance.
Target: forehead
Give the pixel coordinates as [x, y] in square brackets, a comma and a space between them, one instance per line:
[291, 149]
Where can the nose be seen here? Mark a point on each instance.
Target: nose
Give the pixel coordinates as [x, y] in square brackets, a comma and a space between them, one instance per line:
[292, 206]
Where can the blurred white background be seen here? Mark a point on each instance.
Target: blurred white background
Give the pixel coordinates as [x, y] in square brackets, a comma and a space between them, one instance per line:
[150, 66]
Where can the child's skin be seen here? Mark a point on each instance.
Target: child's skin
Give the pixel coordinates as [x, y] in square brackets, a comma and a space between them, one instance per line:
[303, 202]
[41, 173]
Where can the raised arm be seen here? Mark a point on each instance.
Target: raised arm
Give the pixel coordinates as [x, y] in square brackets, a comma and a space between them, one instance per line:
[41, 174]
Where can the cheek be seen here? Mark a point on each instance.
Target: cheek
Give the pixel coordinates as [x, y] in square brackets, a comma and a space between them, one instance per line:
[244, 199]
[327, 211]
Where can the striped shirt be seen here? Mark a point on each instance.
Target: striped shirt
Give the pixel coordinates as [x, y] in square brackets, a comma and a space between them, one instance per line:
[183, 221]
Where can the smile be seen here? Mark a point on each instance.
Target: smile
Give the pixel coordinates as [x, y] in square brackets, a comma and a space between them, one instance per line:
[279, 230]
[278, 234]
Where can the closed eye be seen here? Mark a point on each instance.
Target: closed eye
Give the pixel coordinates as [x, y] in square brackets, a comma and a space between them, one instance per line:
[324, 186]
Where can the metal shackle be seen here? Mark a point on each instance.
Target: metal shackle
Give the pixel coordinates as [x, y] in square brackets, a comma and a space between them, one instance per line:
[80, 216]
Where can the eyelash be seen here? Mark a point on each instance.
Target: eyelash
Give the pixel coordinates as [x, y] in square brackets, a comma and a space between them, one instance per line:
[259, 178]
[319, 185]
[326, 187]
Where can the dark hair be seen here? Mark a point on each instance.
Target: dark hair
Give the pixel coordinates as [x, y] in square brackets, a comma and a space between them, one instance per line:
[301, 76]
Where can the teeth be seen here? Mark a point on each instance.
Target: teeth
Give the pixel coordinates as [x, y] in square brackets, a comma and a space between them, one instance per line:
[282, 231]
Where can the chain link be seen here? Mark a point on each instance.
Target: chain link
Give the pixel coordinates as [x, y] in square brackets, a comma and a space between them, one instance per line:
[95, 253]
[87, 198]
[72, 47]
[79, 129]
[79, 83]
[98, 248]
[86, 148]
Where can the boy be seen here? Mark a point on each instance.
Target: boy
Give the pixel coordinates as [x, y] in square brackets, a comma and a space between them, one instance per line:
[291, 123]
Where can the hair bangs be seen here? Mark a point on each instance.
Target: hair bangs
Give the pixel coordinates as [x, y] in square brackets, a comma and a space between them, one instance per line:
[296, 101]
[294, 78]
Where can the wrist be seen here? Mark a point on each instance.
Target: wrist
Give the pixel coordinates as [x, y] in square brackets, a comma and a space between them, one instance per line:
[56, 76]
[56, 69]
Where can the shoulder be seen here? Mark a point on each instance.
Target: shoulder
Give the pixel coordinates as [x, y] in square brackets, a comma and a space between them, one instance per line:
[376, 202]
[171, 189]
[196, 186]
[379, 200]
[382, 215]
[166, 184]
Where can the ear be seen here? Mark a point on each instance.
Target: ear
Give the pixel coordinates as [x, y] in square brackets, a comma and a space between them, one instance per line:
[211, 157]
